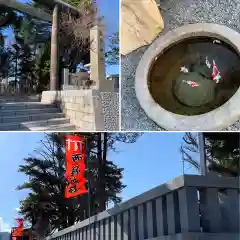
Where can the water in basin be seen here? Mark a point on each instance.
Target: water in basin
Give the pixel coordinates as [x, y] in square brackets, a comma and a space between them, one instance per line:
[195, 76]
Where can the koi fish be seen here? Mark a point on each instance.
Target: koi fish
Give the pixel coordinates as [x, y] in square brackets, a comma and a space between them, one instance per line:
[191, 83]
[184, 69]
[216, 41]
[215, 73]
[208, 63]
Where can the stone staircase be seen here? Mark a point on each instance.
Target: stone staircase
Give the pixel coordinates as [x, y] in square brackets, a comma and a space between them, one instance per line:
[28, 114]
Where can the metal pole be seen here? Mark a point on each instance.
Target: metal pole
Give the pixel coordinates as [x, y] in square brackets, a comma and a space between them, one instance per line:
[203, 162]
[239, 163]
[183, 167]
[88, 178]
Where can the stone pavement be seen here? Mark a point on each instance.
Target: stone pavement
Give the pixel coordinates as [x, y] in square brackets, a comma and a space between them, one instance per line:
[175, 13]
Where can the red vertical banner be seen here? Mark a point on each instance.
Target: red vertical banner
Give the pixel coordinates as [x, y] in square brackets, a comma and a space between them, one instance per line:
[75, 166]
[14, 233]
[19, 222]
[17, 231]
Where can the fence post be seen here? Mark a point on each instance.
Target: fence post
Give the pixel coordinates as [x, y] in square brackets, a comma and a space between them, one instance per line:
[189, 210]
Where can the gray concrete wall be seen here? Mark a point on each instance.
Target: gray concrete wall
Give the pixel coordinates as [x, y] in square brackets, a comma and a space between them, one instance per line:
[169, 212]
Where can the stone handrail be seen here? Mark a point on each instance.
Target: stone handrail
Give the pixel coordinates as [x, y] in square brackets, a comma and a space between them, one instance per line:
[187, 204]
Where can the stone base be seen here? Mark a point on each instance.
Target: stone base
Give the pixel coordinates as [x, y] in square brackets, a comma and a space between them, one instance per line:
[49, 97]
[85, 108]
[200, 236]
[105, 86]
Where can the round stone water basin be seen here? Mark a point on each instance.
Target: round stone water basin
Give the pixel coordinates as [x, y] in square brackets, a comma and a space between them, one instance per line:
[189, 78]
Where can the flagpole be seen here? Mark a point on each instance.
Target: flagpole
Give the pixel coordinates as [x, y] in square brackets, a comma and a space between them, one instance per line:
[203, 162]
[88, 179]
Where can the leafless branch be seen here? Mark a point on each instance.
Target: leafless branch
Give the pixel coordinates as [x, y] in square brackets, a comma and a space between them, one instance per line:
[78, 27]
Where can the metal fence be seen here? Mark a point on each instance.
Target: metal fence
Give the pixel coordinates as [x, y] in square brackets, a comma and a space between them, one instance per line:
[187, 204]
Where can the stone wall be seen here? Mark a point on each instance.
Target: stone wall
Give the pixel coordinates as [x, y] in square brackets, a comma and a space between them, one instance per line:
[88, 110]
[78, 106]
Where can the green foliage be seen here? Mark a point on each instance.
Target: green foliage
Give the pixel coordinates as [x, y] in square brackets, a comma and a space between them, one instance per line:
[29, 62]
[45, 205]
[4, 62]
[34, 38]
[222, 152]
[24, 59]
[8, 19]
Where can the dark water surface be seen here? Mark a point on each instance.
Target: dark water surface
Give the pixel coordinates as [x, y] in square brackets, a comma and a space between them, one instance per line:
[168, 86]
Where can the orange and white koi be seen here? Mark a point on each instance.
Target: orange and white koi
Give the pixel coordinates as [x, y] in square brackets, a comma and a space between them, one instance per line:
[191, 83]
[215, 73]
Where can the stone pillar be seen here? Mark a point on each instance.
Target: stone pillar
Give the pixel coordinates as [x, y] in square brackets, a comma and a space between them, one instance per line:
[97, 60]
[97, 57]
[54, 73]
[65, 76]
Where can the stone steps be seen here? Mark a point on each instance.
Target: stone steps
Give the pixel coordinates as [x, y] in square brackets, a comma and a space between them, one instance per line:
[26, 112]
[58, 127]
[10, 98]
[24, 105]
[33, 116]
[30, 125]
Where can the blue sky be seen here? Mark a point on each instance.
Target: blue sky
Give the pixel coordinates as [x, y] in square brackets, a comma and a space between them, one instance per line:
[111, 22]
[110, 10]
[151, 161]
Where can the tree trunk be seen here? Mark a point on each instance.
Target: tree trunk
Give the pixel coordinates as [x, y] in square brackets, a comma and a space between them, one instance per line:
[42, 227]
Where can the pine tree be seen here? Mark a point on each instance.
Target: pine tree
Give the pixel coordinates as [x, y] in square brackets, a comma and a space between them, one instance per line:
[45, 206]
[222, 152]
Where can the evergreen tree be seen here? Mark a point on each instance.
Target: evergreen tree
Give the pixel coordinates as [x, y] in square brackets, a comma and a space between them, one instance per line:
[33, 39]
[45, 206]
[8, 19]
[222, 152]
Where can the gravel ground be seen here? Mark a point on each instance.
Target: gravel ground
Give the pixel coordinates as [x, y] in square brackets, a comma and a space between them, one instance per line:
[175, 14]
